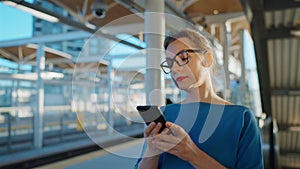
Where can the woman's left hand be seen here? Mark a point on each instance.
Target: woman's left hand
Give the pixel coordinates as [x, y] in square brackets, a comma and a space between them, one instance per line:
[178, 143]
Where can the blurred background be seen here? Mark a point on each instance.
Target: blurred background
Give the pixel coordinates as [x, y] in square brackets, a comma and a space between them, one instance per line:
[73, 71]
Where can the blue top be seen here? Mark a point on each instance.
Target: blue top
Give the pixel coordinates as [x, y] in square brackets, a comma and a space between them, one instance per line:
[227, 133]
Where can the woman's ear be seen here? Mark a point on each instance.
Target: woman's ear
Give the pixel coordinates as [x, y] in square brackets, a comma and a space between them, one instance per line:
[208, 59]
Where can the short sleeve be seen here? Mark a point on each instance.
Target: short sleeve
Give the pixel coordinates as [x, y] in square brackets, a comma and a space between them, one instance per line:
[249, 155]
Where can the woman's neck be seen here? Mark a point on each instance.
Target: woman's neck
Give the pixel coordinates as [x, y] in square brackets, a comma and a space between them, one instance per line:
[204, 93]
[199, 94]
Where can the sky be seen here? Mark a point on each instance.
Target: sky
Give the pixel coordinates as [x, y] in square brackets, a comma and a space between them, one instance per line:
[14, 23]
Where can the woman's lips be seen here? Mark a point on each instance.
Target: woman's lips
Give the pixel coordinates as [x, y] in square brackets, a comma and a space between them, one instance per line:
[180, 78]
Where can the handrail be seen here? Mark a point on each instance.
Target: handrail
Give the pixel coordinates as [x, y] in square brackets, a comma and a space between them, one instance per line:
[61, 107]
[28, 108]
[270, 140]
[9, 109]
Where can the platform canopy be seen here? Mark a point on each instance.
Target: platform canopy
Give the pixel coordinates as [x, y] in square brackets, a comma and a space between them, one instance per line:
[27, 55]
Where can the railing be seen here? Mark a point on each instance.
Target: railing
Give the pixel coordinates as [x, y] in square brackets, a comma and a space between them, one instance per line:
[60, 125]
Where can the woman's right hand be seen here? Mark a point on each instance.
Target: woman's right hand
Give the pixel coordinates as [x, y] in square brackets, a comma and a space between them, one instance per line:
[149, 133]
[151, 156]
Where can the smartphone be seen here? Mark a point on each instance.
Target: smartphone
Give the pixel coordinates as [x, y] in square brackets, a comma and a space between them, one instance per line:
[152, 114]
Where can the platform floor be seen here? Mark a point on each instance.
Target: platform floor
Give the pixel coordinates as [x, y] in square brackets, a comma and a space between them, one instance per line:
[102, 159]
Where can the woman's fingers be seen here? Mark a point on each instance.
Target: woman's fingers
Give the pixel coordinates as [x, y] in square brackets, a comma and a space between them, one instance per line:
[162, 145]
[149, 129]
[167, 138]
[176, 130]
[156, 129]
[165, 131]
[152, 129]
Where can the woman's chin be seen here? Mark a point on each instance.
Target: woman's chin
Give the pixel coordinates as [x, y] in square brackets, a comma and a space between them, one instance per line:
[183, 86]
[187, 87]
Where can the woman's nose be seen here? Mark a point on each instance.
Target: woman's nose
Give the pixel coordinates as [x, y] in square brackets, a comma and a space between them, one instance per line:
[176, 67]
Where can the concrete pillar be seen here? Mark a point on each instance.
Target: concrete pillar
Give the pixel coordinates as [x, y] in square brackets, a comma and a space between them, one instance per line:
[39, 109]
[154, 36]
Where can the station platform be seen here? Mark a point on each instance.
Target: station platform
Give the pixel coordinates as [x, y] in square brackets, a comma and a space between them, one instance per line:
[80, 152]
[101, 159]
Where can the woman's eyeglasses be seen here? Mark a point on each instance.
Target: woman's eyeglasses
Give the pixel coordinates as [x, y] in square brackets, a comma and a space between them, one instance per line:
[181, 58]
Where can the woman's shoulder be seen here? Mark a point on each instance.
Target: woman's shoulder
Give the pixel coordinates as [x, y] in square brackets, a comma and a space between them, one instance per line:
[240, 108]
[240, 111]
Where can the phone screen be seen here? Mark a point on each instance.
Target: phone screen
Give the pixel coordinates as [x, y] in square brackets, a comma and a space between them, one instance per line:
[150, 114]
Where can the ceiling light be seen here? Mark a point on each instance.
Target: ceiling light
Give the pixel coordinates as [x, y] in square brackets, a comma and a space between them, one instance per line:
[89, 25]
[215, 11]
[33, 12]
[294, 128]
[295, 32]
[44, 75]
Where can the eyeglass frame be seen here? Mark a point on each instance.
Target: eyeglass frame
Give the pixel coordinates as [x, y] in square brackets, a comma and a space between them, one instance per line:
[187, 51]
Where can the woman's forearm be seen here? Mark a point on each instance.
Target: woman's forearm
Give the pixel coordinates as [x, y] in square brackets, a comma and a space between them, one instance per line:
[149, 162]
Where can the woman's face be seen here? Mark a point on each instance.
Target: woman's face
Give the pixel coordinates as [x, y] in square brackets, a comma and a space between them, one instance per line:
[191, 75]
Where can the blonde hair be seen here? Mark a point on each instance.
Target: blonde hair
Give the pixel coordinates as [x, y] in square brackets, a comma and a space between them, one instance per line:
[198, 40]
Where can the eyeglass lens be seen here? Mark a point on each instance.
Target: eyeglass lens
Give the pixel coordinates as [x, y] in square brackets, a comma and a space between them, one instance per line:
[181, 59]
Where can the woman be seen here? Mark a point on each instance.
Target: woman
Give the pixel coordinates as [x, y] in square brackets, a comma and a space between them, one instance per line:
[204, 130]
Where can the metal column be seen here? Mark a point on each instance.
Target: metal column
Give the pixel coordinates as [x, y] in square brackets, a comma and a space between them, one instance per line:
[226, 41]
[39, 110]
[110, 77]
[154, 35]
[243, 85]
